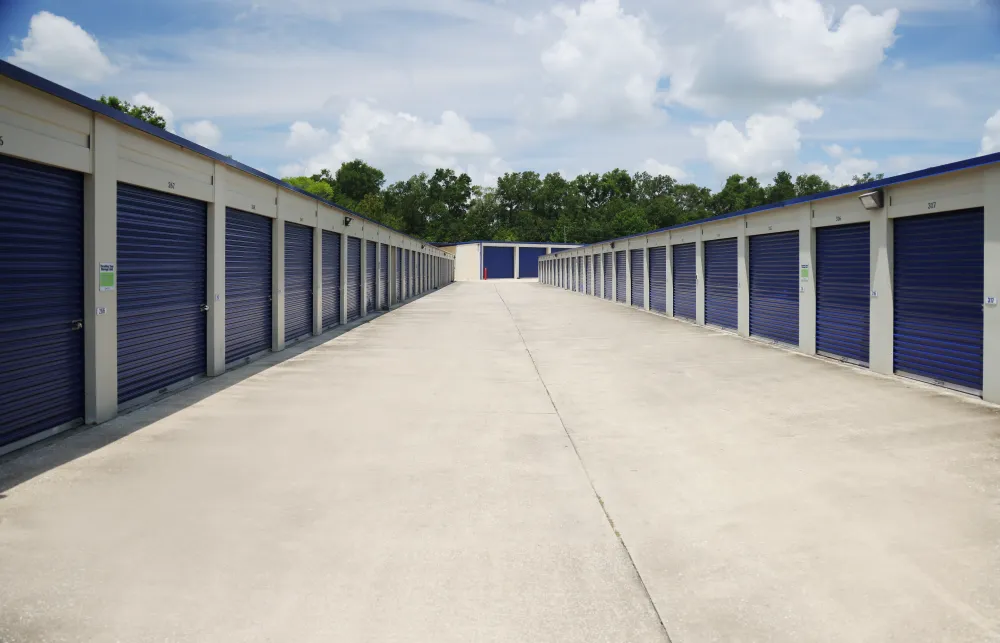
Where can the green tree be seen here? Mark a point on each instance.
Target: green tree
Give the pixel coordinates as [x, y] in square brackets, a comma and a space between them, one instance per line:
[867, 177]
[322, 189]
[356, 179]
[806, 184]
[783, 188]
[142, 112]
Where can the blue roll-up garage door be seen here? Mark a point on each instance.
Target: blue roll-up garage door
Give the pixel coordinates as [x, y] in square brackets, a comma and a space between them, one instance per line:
[411, 278]
[843, 291]
[722, 285]
[407, 275]
[938, 298]
[41, 332]
[298, 281]
[685, 281]
[498, 263]
[590, 274]
[399, 275]
[620, 276]
[161, 290]
[528, 262]
[353, 278]
[383, 266]
[581, 277]
[638, 273]
[331, 279]
[609, 290]
[248, 284]
[774, 287]
[658, 279]
[371, 270]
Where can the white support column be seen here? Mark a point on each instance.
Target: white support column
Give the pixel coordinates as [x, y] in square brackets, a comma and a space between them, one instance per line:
[100, 309]
[743, 278]
[317, 279]
[807, 284]
[880, 333]
[278, 284]
[215, 296]
[991, 286]
[343, 277]
[670, 278]
[517, 262]
[699, 271]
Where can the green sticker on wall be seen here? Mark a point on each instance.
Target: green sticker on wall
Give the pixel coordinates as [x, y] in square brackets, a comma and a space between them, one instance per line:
[106, 277]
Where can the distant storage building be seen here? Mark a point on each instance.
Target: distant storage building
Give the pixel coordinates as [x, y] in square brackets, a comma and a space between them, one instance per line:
[478, 260]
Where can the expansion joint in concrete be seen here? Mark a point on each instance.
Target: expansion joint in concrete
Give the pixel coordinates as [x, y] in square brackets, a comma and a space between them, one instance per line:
[583, 466]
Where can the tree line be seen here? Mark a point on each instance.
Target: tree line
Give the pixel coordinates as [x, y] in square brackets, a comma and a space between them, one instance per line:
[526, 206]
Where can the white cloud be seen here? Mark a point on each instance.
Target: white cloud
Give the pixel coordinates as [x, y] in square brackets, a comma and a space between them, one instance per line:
[769, 142]
[775, 50]
[142, 98]
[605, 64]
[204, 133]
[656, 168]
[991, 135]
[61, 50]
[392, 140]
[303, 136]
[848, 165]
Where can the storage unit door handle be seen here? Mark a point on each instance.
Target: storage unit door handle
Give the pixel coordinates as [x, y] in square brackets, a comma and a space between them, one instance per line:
[76, 324]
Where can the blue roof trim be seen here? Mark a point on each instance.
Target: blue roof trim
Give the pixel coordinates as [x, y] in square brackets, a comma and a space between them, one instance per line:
[44, 85]
[511, 243]
[947, 168]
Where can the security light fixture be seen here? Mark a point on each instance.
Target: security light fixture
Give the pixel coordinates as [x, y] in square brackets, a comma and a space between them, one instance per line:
[612, 244]
[872, 200]
[347, 221]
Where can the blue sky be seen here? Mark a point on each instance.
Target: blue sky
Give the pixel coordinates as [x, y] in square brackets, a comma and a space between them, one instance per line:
[698, 90]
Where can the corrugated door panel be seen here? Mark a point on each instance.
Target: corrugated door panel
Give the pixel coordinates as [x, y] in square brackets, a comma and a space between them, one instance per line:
[399, 275]
[609, 291]
[620, 276]
[722, 289]
[298, 281]
[161, 290]
[527, 261]
[638, 273]
[590, 274]
[41, 253]
[411, 279]
[580, 275]
[658, 279]
[331, 279]
[371, 271]
[353, 278]
[843, 291]
[383, 265]
[685, 281]
[774, 287]
[938, 303]
[407, 275]
[248, 284]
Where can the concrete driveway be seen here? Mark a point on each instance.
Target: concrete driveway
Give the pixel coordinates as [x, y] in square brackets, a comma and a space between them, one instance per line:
[510, 462]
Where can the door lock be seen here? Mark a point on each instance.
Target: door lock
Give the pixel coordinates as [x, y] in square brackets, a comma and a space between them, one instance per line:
[204, 308]
[76, 324]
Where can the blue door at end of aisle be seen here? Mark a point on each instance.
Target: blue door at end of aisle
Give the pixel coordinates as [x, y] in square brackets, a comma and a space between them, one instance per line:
[498, 262]
[528, 262]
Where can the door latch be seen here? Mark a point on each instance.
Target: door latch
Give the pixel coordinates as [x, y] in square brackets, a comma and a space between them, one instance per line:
[76, 324]
[204, 308]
